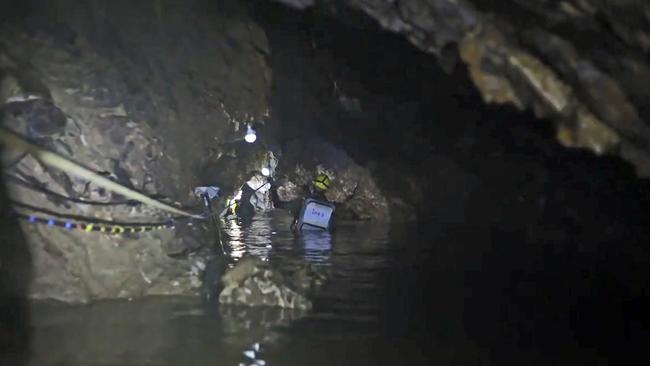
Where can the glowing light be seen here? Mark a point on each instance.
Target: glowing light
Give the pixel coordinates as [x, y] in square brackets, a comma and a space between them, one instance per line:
[50, 222]
[250, 135]
[32, 219]
[68, 225]
[266, 171]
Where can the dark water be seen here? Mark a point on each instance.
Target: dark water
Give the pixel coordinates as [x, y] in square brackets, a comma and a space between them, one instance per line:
[421, 294]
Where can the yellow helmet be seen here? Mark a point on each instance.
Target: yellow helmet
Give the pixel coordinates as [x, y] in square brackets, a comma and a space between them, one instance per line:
[322, 182]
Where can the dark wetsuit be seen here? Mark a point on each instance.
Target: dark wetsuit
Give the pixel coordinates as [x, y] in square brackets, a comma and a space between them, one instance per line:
[245, 209]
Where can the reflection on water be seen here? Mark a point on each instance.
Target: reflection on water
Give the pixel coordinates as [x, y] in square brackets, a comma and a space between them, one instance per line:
[252, 237]
[267, 233]
[396, 295]
[259, 324]
[318, 246]
[151, 331]
[174, 331]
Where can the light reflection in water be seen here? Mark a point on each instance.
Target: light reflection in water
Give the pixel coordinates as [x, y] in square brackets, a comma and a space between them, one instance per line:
[269, 232]
[235, 240]
[169, 331]
[318, 246]
[252, 237]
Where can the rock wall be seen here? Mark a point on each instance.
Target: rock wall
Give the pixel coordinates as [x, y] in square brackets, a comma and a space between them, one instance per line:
[353, 187]
[582, 64]
[111, 86]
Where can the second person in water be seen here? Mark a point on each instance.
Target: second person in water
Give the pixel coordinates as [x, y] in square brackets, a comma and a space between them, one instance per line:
[315, 212]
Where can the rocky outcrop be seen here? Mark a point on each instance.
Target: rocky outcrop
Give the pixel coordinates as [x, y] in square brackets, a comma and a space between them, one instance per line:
[110, 89]
[353, 187]
[253, 282]
[580, 63]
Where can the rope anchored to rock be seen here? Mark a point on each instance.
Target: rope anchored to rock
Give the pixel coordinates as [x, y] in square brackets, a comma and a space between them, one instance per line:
[100, 227]
[15, 141]
[90, 224]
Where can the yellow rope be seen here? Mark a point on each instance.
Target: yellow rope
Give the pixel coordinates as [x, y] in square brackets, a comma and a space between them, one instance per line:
[15, 141]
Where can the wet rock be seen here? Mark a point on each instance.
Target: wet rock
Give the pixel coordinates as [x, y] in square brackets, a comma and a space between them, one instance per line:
[582, 64]
[588, 132]
[231, 171]
[189, 238]
[41, 118]
[252, 282]
[353, 187]
[288, 191]
[104, 98]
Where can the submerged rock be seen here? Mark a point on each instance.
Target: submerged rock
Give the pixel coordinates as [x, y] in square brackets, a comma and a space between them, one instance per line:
[252, 282]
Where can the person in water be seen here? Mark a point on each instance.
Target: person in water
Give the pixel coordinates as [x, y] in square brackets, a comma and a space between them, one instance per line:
[319, 186]
[242, 207]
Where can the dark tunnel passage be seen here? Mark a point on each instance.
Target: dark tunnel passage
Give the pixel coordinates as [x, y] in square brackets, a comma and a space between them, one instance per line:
[464, 232]
[393, 108]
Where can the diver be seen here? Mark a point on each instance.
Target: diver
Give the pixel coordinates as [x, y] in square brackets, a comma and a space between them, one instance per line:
[241, 207]
[316, 211]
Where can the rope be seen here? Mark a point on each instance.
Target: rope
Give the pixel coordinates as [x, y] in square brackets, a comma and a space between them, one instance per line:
[41, 189]
[86, 224]
[45, 211]
[49, 158]
[90, 226]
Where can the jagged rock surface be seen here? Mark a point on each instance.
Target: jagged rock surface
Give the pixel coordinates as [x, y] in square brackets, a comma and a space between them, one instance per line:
[252, 282]
[116, 96]
[581, 63]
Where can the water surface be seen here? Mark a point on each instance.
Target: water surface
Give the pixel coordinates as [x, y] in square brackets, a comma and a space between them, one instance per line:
[410, 294]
